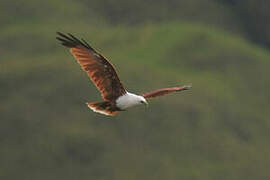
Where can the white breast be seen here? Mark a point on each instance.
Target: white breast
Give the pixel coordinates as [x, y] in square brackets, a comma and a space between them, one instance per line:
[128, 100]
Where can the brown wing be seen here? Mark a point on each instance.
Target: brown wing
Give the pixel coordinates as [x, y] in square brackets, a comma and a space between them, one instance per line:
[164, 91]
[100, 71]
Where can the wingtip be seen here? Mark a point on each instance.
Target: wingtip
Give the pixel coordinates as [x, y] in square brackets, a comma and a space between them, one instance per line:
[59, 33]
[67, 39]
[187, 86]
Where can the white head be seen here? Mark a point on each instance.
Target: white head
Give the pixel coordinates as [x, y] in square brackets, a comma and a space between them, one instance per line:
[142, 100]
[129, 100]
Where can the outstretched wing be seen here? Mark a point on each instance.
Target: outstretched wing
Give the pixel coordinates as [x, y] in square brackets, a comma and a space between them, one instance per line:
[99, 69]
[164, 91]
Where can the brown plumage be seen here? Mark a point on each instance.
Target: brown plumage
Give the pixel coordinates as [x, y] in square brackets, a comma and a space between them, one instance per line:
[164, 91]
[104, 76]
[98, 68]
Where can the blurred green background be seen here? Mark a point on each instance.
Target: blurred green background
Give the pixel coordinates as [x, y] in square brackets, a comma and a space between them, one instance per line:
[218, 130]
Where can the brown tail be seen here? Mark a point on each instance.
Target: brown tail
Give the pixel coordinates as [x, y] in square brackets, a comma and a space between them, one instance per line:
[102, 108]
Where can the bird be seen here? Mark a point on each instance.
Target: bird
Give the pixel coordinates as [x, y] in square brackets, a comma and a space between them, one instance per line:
[103, 74]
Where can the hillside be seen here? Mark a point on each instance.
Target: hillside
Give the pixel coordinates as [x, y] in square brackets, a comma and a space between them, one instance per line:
[217, 130]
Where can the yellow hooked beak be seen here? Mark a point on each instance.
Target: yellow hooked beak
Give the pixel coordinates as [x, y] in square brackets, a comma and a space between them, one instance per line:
[146, 104]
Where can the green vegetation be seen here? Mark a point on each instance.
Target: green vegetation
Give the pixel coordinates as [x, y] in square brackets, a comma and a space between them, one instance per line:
[217, 130]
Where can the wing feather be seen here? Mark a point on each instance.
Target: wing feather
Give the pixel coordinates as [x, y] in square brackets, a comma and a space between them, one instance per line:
[98, 68]
[164, 91]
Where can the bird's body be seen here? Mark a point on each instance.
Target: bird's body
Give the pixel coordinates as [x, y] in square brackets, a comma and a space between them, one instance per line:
[103, 75]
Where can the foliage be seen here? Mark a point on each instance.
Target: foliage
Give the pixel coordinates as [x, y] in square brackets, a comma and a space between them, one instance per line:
[218, 130]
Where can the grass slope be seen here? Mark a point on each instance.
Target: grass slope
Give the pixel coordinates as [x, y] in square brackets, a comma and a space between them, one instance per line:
[218, 130]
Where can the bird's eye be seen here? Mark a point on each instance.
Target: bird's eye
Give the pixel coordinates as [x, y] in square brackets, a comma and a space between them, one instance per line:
[141, 101]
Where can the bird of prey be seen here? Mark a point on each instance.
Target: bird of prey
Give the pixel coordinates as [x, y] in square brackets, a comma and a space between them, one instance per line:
[103, 75]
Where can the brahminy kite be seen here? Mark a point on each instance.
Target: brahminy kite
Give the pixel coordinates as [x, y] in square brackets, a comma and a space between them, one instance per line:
[103, 75]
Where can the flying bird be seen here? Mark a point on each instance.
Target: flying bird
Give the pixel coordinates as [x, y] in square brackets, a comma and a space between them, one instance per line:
[103, 75]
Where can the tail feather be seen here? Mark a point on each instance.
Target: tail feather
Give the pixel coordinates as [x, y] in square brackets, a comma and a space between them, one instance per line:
[102, 108]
